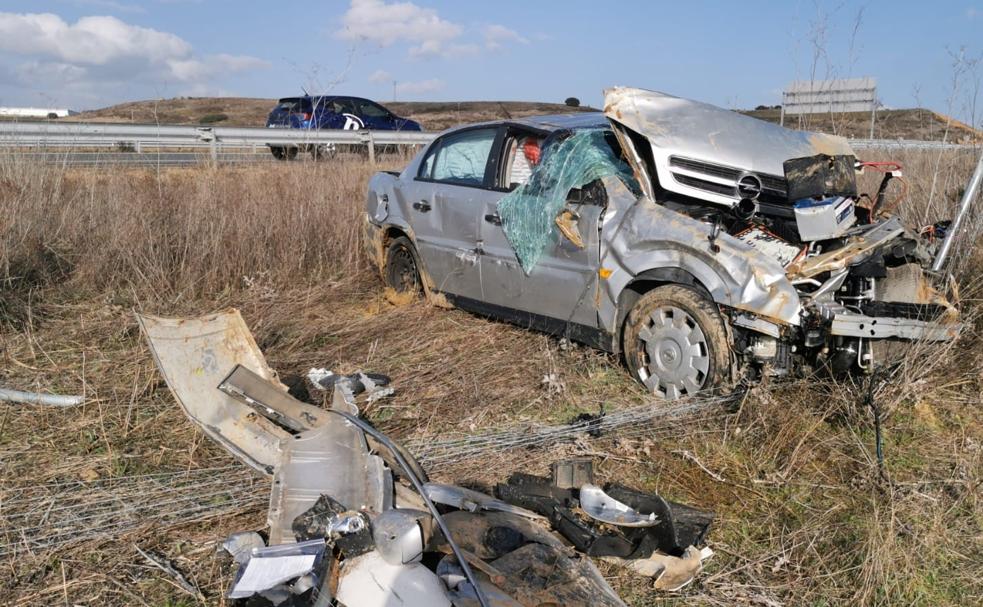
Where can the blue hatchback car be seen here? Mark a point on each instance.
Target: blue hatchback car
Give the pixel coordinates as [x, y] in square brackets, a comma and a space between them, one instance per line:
[331, 112]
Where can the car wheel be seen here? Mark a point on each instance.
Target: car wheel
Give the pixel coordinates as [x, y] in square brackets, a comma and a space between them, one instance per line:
[277, 153]
[675, 342]
[290, 153]
[402, 272]
[323, 152]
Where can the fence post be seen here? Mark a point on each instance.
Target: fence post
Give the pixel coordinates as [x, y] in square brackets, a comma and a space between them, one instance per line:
[371, 148]
[968, 196]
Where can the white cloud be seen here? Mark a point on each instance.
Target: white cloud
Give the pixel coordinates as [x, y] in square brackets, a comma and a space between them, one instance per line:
[497, 36]
[419, 86]
[95, 54]
[972, 13]
[425, 32]
[380, 76]
[386, 24]
[91, 40]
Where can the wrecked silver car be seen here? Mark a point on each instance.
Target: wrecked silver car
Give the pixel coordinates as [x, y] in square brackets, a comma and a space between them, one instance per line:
[701, 244]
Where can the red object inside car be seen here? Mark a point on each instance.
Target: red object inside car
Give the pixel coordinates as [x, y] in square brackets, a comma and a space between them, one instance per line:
[531, 149]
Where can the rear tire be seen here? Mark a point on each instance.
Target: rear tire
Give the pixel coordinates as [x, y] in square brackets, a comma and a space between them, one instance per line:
[277, 153]
[402, 270]
[675, 342]
[323, 152]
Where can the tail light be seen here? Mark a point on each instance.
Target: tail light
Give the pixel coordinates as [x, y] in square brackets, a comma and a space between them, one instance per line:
[307, 115]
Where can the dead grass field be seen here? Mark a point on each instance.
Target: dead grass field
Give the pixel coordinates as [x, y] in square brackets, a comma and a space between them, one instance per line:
[803, 515]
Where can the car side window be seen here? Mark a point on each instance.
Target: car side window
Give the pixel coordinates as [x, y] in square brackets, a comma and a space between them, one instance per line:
[460, 158]
[371, 110]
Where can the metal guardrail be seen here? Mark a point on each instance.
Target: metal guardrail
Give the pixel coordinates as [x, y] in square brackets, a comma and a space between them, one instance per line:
[138, 137]
[46, 137]
[909, 144]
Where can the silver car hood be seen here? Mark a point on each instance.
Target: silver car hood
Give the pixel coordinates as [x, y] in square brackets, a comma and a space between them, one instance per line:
[697, 141]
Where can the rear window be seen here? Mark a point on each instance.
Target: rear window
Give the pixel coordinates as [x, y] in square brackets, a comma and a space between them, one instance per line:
[296, 105]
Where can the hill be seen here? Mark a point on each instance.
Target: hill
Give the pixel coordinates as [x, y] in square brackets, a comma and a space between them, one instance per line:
[240, 111]
[915, 123]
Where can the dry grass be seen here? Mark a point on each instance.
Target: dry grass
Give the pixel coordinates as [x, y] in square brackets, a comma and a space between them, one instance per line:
[804, 516]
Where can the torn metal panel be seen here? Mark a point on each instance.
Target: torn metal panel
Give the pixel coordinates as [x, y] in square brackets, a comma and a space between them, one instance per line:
[852, 252]
[194, 355]
[270, 401]
[370, 581]
[695, 134]
[331, 460]
[870, 327]
[641, 235]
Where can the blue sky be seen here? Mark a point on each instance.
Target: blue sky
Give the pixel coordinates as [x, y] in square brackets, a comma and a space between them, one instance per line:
[90, 53]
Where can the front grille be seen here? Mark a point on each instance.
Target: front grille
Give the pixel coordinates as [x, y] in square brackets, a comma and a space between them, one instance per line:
[706, 168]
[774, 188]
[709, 186]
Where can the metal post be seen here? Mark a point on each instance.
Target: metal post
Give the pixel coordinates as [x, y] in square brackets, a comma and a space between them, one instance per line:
[873, 114]
[968, 196]
[213, 149]
[371, 148]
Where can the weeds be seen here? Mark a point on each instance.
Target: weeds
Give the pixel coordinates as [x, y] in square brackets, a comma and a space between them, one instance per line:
[804, 517]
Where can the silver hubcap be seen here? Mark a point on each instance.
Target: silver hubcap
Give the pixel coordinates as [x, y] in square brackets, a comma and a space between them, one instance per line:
[676, 358]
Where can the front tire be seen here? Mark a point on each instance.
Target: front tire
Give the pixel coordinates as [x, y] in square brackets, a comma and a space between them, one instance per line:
[402, 270]
[675, 342]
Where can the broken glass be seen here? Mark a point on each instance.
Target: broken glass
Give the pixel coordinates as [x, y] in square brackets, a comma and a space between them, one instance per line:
[529, 212]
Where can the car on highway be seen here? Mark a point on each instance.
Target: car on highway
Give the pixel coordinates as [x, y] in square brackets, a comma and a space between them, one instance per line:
[317, 112]
[702, 245]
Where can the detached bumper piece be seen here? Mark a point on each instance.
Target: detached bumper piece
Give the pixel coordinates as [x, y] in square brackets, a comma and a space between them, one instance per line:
[353, 518]
[617, 521]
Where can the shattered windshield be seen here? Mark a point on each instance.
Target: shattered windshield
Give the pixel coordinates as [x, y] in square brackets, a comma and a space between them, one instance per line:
[529, 212]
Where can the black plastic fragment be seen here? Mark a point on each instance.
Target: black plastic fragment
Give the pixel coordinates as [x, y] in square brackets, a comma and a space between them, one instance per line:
[820, 176]
[316, 523]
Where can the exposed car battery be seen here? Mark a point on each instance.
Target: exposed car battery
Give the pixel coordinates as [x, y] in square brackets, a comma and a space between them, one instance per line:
[825, 218]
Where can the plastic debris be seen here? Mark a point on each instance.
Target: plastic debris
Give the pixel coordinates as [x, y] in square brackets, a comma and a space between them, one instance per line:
[36, 398]
[274, 566]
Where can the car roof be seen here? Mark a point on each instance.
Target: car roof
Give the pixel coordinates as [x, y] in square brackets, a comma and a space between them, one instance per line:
[282, 99]
[558, 122]
[546, 122]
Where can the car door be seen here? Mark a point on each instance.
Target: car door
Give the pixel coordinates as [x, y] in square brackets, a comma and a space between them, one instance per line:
[444, 201]
[562, 285]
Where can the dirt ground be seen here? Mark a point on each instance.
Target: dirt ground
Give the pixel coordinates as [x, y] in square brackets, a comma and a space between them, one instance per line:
[804, 514]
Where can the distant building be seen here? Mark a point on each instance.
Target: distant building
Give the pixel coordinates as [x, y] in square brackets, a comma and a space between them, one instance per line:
[35, 112]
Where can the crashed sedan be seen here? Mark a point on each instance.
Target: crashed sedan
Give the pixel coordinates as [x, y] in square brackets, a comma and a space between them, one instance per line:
[700, 244]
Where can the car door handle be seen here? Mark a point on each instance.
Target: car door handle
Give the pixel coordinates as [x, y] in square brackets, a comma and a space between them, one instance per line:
[423, 206]
[494, 219]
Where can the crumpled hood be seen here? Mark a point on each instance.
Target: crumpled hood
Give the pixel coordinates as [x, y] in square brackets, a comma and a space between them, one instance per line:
[677, 128]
